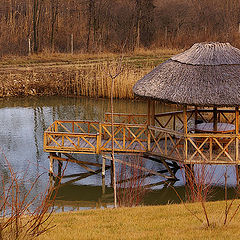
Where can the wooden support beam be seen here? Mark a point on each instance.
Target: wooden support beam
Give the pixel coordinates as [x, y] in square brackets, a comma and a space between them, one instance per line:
[72, 159]
[82, 176]
[174, 165]
[140, 168]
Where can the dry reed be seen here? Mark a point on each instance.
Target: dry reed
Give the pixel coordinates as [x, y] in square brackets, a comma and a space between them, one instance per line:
[69, 80]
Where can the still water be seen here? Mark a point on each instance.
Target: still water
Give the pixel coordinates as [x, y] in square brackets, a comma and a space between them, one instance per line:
[23, 121]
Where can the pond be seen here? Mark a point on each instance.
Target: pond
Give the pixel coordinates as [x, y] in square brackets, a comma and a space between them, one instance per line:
[23, 121]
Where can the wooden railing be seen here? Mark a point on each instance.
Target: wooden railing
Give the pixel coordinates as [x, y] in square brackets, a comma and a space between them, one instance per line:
[167, 143]
[74, 136]
[195, 147]
[127, 137]
[94, 137]
[174, 120]
[72, 126]
[79, 142]
[126, 118]
[166, 139]
[212, 148]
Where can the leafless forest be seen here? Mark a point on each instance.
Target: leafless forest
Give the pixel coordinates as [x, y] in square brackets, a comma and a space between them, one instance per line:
[114, 25]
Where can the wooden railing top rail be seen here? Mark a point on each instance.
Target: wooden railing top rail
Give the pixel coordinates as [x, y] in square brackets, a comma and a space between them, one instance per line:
[171, 113]
[73, 134]
[214, 135]
[192, 110]
[165, 130]
[76, 121]
[125, 124]
[126, 114]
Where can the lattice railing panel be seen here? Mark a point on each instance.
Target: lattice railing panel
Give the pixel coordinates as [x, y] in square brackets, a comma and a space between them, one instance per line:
[211, 149]
[126, 137]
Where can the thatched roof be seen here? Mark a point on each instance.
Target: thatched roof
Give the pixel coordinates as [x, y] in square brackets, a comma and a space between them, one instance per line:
[208, 74]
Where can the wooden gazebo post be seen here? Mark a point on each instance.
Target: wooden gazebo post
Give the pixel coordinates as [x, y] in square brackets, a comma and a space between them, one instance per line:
[237, 143]
[149, 112]
[150, 119]
[215, 119]
[195, 116]
[153, 113]
[148, 124]
[189, 171]
[185, 132]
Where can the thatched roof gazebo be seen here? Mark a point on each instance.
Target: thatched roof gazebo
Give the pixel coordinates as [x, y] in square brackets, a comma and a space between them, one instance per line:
[206, 75]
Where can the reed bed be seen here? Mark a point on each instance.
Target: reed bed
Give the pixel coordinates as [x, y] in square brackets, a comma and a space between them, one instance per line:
[78, 74]
[90, 80]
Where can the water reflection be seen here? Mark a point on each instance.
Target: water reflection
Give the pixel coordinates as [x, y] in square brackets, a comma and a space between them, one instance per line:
[23, 121]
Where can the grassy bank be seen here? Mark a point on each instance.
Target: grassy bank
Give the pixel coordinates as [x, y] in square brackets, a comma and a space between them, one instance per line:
[153, 222]
[75, 75]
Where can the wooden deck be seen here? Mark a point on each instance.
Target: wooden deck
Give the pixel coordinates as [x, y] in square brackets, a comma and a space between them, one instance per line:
[133, 135]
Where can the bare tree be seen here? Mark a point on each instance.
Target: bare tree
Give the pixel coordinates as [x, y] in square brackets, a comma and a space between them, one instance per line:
[54, 14]
[37, 9]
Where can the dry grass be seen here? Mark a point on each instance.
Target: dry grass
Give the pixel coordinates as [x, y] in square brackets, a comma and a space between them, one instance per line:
[48, 57]
[158, 222]
[75, 75]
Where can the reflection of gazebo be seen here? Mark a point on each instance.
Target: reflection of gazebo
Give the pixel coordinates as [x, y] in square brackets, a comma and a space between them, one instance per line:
[205, 80]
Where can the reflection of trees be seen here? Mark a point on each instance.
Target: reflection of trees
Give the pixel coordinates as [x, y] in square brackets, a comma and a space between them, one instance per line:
[39, 126]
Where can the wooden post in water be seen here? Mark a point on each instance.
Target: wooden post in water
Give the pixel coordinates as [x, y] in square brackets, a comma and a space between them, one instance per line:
[111, 169]
[51, 169]
[59, 168]
[103, 174]
[51, 164]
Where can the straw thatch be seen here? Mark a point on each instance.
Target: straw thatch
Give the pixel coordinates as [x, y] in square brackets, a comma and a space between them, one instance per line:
[208, 74]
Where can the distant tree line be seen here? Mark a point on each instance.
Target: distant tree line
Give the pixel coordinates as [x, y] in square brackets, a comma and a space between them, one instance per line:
[114, 25]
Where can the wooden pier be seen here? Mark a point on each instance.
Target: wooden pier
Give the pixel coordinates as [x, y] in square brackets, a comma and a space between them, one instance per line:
[166, 137]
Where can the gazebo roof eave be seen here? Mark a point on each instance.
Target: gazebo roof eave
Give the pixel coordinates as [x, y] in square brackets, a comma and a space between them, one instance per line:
[166, 101]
